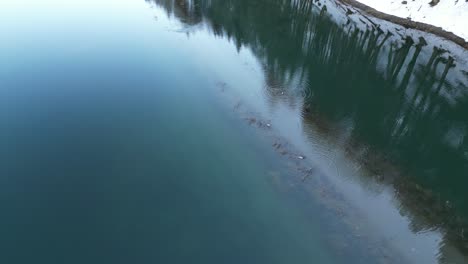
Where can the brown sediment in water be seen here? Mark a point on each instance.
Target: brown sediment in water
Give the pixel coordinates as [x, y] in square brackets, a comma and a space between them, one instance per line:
[426, 209]
[407, 23]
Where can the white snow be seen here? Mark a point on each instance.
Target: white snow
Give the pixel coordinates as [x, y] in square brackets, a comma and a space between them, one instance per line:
[451, 15]
[337, 11]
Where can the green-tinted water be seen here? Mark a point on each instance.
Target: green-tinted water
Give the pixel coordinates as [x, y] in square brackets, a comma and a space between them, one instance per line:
[225, 132]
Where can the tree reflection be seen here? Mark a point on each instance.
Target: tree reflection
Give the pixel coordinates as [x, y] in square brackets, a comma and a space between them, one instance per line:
[405, 97]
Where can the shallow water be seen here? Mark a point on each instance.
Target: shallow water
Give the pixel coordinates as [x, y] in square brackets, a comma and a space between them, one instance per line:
[208, 132]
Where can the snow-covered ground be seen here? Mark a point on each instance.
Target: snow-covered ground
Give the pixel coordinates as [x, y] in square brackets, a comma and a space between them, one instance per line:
[456, 76]
[451, 15]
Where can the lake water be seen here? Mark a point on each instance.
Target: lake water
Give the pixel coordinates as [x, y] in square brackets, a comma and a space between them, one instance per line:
[175, 131]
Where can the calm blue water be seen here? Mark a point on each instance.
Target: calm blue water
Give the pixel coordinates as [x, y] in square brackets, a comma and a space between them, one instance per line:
[174, 131]
[115, 148]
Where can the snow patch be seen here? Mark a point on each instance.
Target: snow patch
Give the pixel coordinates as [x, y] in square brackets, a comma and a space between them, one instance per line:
[451, 15]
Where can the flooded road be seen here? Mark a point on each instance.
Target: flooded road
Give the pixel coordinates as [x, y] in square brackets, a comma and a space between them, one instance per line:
[206, 131]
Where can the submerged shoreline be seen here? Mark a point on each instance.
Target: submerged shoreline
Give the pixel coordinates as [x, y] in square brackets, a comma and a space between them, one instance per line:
[230, 131]
[418, 72]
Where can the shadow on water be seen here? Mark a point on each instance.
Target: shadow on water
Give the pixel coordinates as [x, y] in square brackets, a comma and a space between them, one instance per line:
[403, 96]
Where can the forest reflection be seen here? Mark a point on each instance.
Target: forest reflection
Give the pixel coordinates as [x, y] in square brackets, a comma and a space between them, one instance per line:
[406, 99]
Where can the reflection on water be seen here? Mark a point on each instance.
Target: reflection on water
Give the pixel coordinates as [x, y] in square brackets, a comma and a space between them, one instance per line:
[402, 97]
[213, 131]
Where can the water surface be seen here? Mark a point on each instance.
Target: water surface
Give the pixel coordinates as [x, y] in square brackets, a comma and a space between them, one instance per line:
[223, 132]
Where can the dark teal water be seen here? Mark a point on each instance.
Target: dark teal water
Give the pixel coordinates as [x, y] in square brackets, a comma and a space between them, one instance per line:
[142, 132]
[115, 149]
[393, 98]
